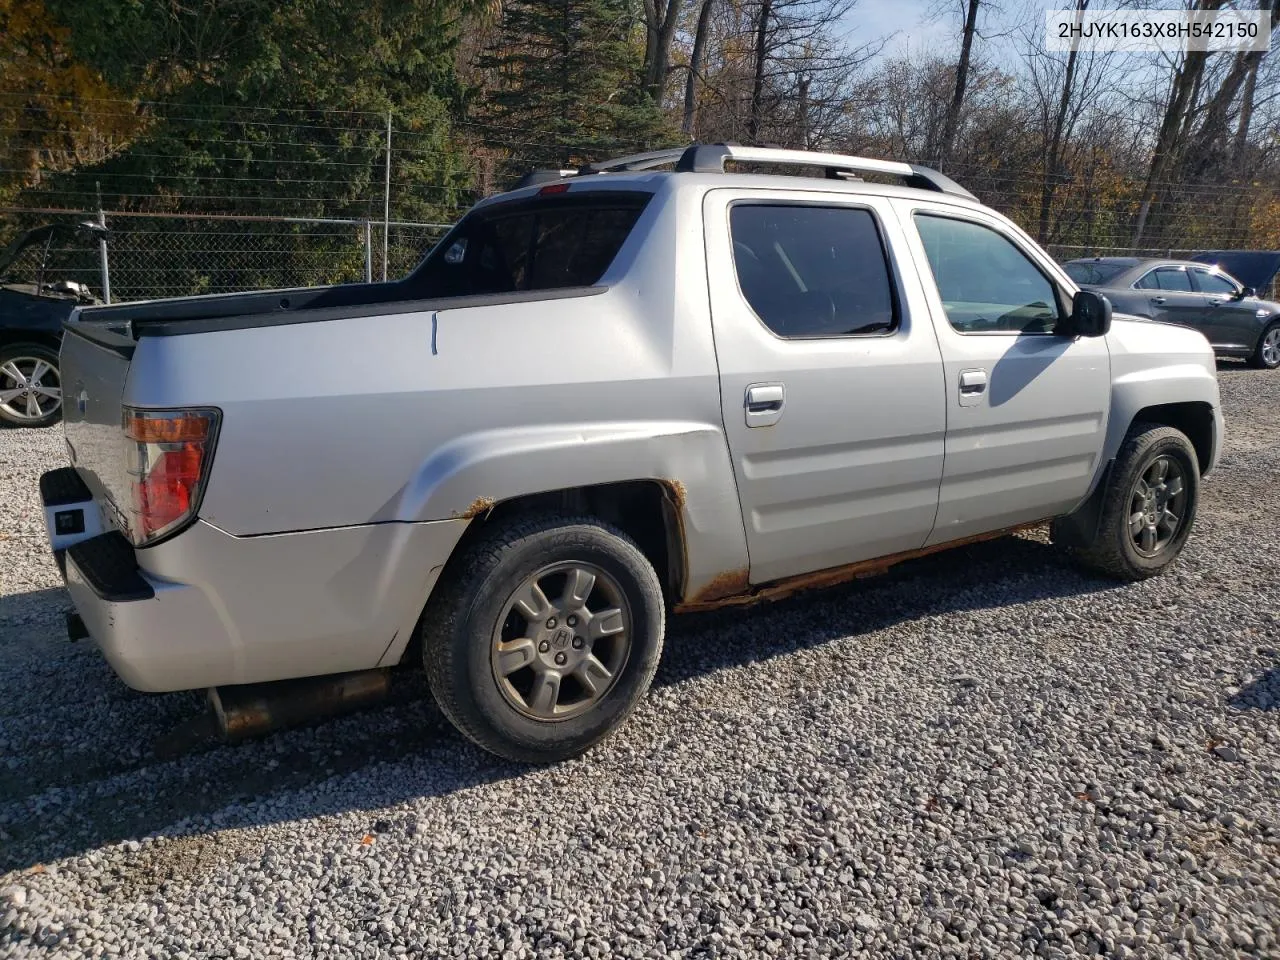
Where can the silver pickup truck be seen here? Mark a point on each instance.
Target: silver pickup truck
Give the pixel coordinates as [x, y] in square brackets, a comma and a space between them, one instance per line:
[608, 395]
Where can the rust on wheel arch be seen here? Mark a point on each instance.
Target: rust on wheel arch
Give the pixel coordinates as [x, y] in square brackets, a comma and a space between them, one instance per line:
[731, 589]
[478, 506]
[674, 499]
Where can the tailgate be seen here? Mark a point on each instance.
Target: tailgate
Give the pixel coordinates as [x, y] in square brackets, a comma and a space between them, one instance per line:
[95, 361]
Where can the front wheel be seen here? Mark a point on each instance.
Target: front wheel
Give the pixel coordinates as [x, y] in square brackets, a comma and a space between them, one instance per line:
[1267, 354]
[1148, 507]
[543, 635]
[30, 386]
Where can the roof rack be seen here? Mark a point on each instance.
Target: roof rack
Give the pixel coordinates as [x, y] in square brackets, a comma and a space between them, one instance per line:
[711, 158]
[637, 161]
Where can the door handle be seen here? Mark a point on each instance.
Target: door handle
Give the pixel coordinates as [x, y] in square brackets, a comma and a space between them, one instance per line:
[1217, 301]
[763, 404]
[1157, 300]
[973, 384]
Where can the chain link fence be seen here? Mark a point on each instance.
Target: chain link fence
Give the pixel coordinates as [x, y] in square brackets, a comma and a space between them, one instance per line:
[149, 256]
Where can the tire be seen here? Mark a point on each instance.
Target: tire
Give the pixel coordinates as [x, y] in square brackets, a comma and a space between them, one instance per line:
[1117, 548]
[19, 405]
[488, 661]
[1266, 355]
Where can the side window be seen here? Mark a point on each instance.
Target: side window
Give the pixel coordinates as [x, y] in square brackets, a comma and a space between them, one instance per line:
[1214, 283]
[1173, 278]
[813, 271]
[986, 283]
[1147, 282]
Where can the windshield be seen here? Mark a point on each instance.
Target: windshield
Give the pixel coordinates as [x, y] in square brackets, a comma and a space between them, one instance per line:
[1090, 272]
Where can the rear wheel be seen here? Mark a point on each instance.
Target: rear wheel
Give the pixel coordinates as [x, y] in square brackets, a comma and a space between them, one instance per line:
[1148, 507]
[30, 385]
[1267, 354]
[543, 635]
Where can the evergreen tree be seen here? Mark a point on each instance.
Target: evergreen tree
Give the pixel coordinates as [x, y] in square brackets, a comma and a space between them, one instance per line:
[563, 84]
[272, 106]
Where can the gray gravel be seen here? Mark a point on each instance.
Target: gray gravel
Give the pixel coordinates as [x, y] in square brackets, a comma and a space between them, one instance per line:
[984, 754]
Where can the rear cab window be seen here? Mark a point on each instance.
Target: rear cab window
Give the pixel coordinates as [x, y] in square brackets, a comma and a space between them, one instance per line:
[548, 243]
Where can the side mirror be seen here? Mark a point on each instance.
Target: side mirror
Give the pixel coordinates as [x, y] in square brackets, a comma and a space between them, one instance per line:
[1090, 315]
[1245, 292]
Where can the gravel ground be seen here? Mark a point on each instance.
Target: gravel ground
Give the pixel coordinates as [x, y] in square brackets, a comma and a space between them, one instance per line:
[983, 754]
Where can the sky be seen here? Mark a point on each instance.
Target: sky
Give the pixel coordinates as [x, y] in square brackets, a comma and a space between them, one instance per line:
[909, 20]
[933, 26]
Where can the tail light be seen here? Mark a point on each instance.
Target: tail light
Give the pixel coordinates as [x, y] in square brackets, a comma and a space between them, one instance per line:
[169, 455]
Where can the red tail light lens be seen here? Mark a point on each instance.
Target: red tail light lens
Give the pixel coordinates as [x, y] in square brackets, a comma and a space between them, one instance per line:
[170, 452]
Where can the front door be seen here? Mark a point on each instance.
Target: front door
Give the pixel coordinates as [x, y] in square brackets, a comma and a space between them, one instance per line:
[1026, 408]
[1232, 320]
[830, 376]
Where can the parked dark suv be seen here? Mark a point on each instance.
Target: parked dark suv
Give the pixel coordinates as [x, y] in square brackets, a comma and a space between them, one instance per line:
[1192, 294]
[36, 295]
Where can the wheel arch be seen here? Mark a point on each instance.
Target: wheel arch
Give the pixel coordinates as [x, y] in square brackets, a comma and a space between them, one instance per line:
[9, 336]
[673, 477]
[1195, 419]
[1179, 395]
[650, 512]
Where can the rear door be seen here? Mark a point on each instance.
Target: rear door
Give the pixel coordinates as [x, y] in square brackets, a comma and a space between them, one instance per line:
[1172, 297]
[1026, 408]
[831, 380]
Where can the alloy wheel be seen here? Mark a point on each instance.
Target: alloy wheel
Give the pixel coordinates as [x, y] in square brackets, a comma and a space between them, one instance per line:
[30, 388]
[562, 641]
[1271, 347]
[1157, 506]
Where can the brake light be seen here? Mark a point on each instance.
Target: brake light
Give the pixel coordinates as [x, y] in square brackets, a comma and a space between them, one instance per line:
[169, 456]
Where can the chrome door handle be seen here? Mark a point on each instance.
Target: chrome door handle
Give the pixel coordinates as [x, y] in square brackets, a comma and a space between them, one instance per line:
[763, 404]
[973, 384]
[1157, 299]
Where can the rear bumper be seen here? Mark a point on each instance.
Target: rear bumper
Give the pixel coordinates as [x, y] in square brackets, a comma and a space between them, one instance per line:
[208, 609]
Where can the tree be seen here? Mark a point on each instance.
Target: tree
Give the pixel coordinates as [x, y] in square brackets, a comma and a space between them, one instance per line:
[1177, 113]
[562, 79]
[214, 85]
[697, 62]
[660, 18]
[1062, 89]
[952, 122]
[43, 85]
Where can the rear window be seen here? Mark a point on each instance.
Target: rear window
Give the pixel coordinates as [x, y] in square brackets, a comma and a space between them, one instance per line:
[543, 244]
[1098, 274]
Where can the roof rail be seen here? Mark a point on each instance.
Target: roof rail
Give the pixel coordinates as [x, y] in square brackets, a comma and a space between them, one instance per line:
[637, 161]
[711, 158]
